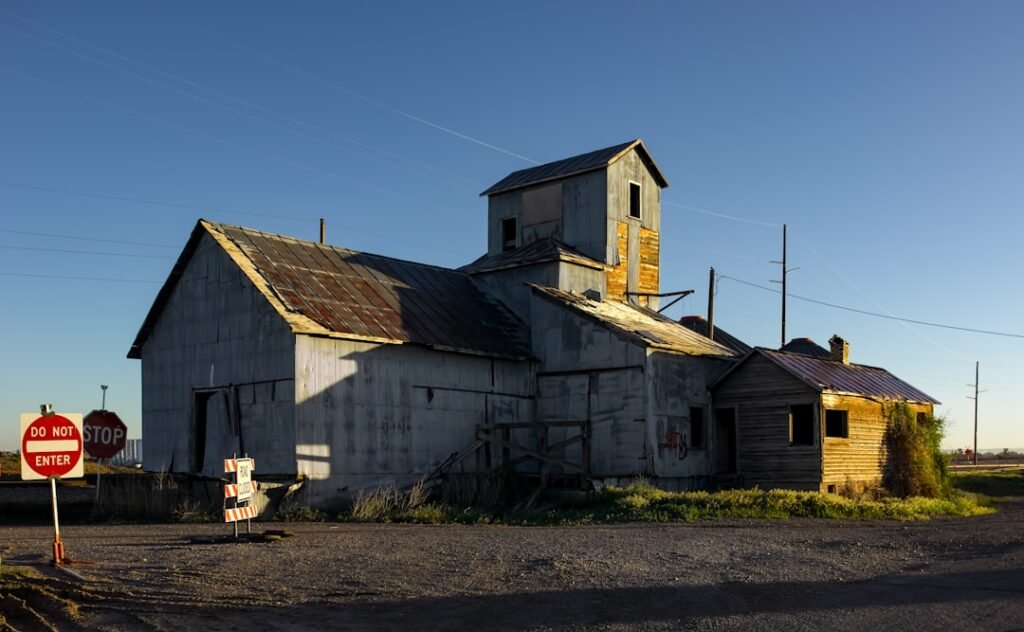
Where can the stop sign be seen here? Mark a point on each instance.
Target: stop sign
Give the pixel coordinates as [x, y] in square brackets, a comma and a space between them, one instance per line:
[51, 445]
[105, 434]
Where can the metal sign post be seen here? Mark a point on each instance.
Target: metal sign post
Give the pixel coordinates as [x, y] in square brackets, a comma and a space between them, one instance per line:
[51, 448]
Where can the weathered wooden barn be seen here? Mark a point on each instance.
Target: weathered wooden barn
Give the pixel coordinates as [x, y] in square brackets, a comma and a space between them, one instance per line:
[346, 368]
[809, 422]
[354, 370]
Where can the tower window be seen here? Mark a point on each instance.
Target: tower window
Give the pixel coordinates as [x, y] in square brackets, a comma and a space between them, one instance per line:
[634, 200]
[508, 233]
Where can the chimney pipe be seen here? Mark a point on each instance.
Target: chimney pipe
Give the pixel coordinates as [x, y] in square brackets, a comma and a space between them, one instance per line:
[322, 231]
[711, 306]
[840, 349]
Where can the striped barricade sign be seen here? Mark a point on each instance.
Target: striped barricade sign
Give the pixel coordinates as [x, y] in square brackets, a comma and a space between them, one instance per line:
[234, 514]
[241, 490]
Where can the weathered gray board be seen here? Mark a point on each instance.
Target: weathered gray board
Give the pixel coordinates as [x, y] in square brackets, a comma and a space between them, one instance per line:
[216, 332]
[628, 392]
[370, 414]
[510, 284]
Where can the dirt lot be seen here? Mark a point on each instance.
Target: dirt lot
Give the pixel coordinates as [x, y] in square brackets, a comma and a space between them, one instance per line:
[800, 574]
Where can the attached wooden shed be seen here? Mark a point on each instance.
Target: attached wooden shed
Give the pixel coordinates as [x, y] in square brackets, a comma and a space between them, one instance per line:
[640, 382]
[812, 423]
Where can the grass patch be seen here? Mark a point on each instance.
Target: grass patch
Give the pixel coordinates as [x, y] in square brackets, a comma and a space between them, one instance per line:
[995, 485]
[642, 502]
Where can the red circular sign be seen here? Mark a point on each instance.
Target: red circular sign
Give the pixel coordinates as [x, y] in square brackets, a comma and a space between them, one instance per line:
[105, 434]
[52, 446]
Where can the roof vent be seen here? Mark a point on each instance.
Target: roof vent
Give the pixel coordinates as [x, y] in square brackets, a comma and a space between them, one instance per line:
[840, 349]
[592, 294]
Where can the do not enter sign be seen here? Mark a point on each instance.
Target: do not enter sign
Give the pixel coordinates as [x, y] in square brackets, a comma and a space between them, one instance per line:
[105, 434]
[51, 446]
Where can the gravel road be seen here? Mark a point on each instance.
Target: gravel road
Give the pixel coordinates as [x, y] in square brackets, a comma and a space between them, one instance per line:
[737, 574]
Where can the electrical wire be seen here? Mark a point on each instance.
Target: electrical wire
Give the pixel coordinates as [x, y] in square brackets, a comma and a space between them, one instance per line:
[78, 238]
[189, 95]
[352, 93]
[75, 278]
[83, 252]
[875, 314]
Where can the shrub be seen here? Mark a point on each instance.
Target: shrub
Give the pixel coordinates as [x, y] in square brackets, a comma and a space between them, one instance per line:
[917, 466]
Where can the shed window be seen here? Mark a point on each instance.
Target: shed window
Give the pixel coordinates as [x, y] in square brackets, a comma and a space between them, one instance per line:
[836, 424]
[634, 200]
[922, 418]
[508, 233]
[696, 427]
[801, 424]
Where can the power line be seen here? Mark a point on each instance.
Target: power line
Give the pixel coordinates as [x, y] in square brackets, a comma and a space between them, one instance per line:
[876, 314]
[735, 218]
[77, 238]
[210, 103]
[84, 252]
[220, 141]
[195, 207]
[352, 93]
[125, 198]
[75, 278]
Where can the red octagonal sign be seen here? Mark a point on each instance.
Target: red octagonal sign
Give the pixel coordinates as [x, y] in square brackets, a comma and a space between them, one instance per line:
[51, 446]
[105, 434]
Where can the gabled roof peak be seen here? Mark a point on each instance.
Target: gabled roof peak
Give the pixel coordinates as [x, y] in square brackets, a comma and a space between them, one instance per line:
[574, 165]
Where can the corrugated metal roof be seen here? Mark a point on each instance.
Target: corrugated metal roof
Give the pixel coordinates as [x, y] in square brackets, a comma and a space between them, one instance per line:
[830, 375]
[577, 164]
[540, 251]
[699, 324]
[806, 346]
[640, 324]
[325, 290]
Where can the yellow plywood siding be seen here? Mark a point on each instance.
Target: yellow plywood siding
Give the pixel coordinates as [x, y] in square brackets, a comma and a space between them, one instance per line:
[858, 459]
[618, 274]
[650, 244]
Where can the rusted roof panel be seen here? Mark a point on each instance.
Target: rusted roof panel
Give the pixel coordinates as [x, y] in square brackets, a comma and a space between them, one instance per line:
[642, 325]
[699, 324]
[324, 290]
[540, 251]
[571, 166]
[830, 375]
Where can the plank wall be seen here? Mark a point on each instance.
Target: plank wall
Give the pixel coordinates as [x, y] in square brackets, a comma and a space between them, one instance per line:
[761, 394]
[216, 330]
[370, 414]
[859, 458]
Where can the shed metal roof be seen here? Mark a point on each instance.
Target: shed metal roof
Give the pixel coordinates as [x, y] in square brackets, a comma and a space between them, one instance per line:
[540, 251]
[336, 292]
[830, 375]
[582, 163]
[699, 324]
[643, 326]
[806, 346]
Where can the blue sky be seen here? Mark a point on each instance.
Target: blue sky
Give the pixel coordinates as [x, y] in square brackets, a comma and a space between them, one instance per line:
[887, 135]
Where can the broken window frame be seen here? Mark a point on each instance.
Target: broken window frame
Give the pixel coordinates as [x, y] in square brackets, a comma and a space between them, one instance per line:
[509, 236]
[698, 439]
[635, 202]
[802, 434]
[837, 423]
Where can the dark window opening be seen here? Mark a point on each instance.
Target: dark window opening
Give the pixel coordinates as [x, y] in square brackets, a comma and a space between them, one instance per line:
[634, 200]
[696, 427]
[801, 424]
[922, 418]
[508, 233]
[836, 424]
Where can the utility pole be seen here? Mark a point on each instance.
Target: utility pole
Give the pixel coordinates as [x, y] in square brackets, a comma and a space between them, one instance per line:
[977, 382]
[711, 305]
[785, 271]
